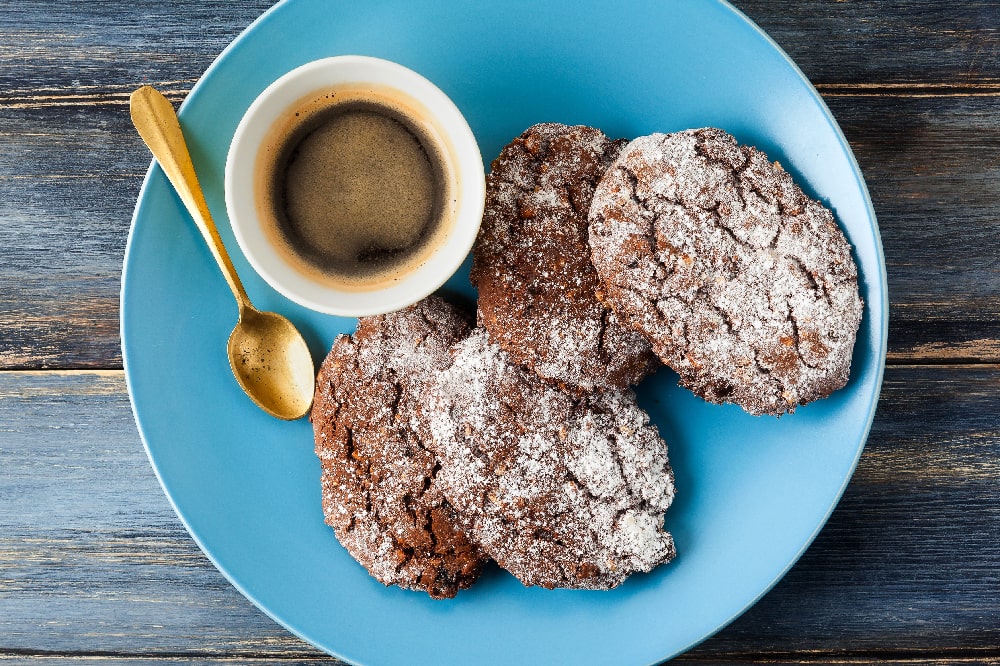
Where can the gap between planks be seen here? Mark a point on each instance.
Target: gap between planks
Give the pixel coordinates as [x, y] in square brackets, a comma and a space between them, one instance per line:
[20, 384]
[118, 94]
[848, 657]
[100, 372]
[159, 657]
[882, 89]
[807, 657]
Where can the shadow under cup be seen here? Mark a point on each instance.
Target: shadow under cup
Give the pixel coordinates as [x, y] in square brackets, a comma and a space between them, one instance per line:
[354, 186]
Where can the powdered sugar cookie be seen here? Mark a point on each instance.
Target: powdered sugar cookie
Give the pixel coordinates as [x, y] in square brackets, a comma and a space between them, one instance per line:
[740, 282]
[561, 491]
[532, 263]
[378, 478]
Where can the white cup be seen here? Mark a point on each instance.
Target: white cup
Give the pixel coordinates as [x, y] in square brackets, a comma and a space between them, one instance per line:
[459, 149]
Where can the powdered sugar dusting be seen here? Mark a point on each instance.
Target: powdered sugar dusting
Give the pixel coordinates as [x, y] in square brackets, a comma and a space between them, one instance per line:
[742, 284]
[378, 486]
[538, 292]
[562, 491]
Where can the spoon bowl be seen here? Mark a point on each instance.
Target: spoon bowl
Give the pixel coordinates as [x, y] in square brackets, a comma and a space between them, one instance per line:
[267, 354]
[272, 363]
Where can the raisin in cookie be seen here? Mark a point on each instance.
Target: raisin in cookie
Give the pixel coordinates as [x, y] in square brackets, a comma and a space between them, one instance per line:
[741, 283]
[379, 491]
[561, 491]
[532, 262]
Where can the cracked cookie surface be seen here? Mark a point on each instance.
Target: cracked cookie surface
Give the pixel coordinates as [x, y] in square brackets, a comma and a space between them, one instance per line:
[532, 262]
[378, 479]
[561, 491]
[742, 284]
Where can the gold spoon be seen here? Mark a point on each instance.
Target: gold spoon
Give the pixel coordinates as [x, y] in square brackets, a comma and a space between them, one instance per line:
[266, 352]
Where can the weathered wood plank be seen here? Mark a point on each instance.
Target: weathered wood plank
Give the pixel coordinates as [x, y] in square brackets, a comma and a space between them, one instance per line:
[911, 551]
[813, 659]
[69, 44]
[846, 658]
[92, 558]
[95, 567]
[873, 42]
[71, 161]
[72, 175]
[931, 166]
[93, 561]
[50, 48]
[70, 165]
[126, 658]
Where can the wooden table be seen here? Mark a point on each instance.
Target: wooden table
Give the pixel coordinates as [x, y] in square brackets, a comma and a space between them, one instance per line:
[95, 565]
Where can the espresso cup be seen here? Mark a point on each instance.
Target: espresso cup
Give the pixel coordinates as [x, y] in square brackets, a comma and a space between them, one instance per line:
[354, 186]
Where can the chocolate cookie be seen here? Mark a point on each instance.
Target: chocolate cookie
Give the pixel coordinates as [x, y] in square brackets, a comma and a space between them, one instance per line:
[532, 262]
[742, 284]
[378, 479]
[561, 491]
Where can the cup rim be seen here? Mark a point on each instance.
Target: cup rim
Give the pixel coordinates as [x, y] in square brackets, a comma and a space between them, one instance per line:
[278, 272]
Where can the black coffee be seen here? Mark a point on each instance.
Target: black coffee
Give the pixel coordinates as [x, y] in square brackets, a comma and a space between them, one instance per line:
[357, 188]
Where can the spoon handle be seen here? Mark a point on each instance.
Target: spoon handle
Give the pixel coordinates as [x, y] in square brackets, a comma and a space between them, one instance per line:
[154, 117]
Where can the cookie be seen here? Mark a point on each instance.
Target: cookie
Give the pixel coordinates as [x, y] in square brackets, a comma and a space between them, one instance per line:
[378, 481]
[531, 262]
[561, 491]
[742, 284]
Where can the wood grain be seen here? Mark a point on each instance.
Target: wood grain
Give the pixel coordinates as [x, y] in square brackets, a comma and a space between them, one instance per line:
[85, 46]
[94, 565]
[930, 165]
[91, 50]
[971, 658]
[927, 46]
[93, 560]
[71, 165]
[72, 162]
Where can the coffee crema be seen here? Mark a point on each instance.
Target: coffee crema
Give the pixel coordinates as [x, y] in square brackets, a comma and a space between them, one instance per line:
[354, 187]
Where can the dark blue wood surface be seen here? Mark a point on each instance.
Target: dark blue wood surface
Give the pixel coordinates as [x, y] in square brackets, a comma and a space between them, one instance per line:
[94, 565]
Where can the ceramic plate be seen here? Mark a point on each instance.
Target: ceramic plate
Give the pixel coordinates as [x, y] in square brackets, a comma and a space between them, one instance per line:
[752, 492]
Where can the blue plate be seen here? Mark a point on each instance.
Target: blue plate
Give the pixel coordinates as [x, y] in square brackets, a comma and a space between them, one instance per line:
[752, 492]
